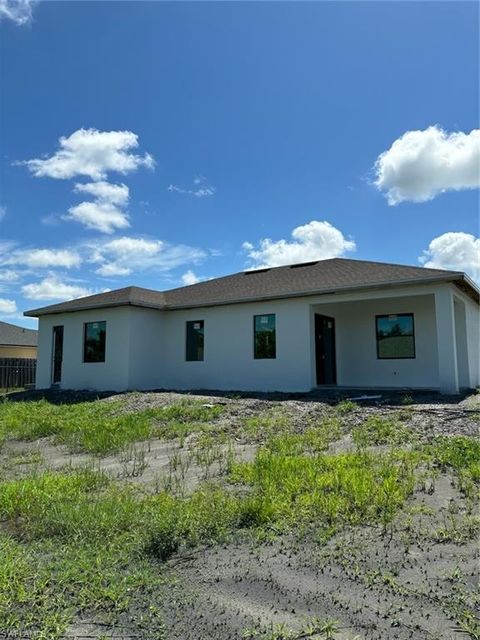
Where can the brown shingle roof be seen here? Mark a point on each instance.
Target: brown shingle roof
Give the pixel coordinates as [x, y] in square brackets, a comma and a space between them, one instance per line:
[13, 335]
[321, 277]
[135, 296]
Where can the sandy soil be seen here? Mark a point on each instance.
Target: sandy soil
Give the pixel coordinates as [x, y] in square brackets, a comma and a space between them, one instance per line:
[376, 587]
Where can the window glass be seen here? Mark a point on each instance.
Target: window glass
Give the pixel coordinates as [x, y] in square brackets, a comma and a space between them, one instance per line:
[395, 336]
[265, 338]
[195, 340]
[94, 341]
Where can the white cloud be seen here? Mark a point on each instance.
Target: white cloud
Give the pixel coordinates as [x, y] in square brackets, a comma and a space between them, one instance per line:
[125, 251]
[127, 247]
[19, 11]
[105, 191]
[7, 306]
[454, 250]
[92, 153]
[189, 278]
[101, 216]
[43, 258]
[3, 212]
[421, 164]
[204, 192]
[313, 241]
[125, 255]
[51, 219]
[8, 276]
[111, 269]
[106, 212]
[52, 288]
[201, 188]
[40, 258]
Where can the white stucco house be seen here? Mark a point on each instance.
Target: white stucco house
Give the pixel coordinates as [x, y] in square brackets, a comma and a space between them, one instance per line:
[338, 322]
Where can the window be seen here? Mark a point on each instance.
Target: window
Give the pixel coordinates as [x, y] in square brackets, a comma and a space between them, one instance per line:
[264, 336]
[94, 341]
[395, 336]
[195, 340]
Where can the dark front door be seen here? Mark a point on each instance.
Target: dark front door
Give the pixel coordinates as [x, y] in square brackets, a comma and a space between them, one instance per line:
[325, 349]
[57, 354]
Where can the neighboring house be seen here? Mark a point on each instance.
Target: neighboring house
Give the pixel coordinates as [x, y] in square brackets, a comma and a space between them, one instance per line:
[17, 342]
[333, 322]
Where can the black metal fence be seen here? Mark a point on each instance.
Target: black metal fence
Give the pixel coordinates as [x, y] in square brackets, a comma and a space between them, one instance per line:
[17, 372]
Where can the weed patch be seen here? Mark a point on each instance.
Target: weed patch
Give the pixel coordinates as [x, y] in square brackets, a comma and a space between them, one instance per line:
[314, 439]
[345, 407]
[266, 424]
[100, 427]
[326, 491]
[377, 431]
[461, 454]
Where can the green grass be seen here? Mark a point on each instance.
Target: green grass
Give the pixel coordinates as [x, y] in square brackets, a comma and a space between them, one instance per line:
[77, 541]
[315, 438]
[101, 427]
[462, 455]
[345, 407]
[327, 492]
[64, 547]
[45, 583]
[264, 425]
[377, 431]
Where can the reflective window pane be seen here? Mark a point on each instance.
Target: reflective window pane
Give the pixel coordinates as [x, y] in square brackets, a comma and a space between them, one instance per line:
[395, 336]
[195, 340]
[94, 341]
[264, 336]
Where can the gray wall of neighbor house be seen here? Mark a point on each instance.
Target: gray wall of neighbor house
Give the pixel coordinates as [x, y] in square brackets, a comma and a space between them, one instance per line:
[146, 348]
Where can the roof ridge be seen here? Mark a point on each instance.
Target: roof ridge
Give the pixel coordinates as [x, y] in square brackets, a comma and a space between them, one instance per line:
[397, 264]
[325, 276]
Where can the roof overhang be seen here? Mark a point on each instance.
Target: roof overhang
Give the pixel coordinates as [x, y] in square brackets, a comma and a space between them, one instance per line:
[43, 311]
[463, 282]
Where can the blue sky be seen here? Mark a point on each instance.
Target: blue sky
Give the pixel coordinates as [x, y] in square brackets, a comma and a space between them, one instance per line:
[231, 124]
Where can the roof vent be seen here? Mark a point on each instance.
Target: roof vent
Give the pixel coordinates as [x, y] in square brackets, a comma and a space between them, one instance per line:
[303, 264]
[249, 273]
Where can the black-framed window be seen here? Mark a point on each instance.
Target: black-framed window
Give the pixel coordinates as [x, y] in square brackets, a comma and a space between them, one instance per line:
[94, 335]
[264, 342]
[195, 340]
[395, 336]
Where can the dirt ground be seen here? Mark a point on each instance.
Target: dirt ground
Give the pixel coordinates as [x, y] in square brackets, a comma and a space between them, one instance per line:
[374, 587]
[403, 585]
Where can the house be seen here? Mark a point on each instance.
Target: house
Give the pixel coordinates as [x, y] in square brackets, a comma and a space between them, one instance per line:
[338, 322]
[17, 342]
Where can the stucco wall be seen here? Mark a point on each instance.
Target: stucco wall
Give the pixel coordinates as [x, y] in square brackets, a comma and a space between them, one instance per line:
[147, 339]
[18, 352]
[229, 361]
[461, 344]
[76, 374]
[145, 348]
[472, 321]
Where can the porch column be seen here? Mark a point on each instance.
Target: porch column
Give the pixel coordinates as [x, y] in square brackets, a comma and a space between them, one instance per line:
[447, 348]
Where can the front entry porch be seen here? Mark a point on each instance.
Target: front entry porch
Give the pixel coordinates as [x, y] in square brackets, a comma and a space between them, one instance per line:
[396, 342]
